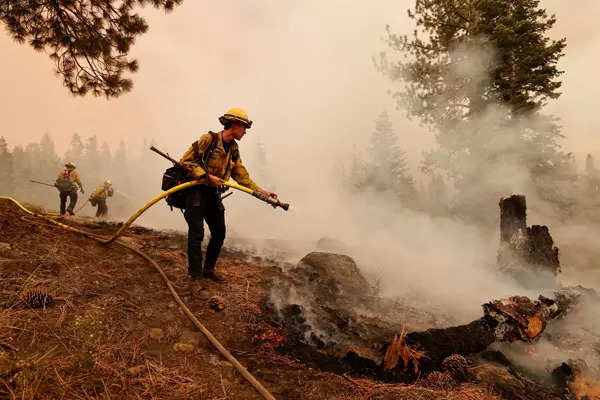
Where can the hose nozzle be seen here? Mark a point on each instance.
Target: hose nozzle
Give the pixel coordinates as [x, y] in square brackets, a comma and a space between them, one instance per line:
[271, 200]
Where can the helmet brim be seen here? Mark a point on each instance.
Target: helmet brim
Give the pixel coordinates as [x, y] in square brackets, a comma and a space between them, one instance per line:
[232, 118]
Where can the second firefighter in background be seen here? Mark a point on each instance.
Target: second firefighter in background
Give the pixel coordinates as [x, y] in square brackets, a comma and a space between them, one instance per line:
[99, 196]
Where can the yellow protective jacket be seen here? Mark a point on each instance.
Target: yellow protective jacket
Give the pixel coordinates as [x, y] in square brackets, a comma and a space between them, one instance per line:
[101, 192]
[70, 176]
[221, 164]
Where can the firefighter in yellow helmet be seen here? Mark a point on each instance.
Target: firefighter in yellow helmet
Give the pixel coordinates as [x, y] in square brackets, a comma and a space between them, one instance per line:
[99, 196]
[213, 159]
[66, 182]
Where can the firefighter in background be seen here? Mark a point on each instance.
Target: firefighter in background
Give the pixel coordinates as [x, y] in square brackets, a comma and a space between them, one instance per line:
[66, 183]
[99, 196]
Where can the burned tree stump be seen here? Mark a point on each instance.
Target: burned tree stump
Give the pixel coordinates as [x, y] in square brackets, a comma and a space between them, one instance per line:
[526, 253]
[513, 216]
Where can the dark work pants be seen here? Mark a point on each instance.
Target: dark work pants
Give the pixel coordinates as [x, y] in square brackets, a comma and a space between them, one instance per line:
[102, 207]
[207, 208]
[63, 201]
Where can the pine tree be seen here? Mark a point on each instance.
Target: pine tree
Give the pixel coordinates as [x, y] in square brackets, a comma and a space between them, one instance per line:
[384, 168]
[106, 160]
[48, 161]
[357, 180]
[7, 178]
[91, 169]
[478, 73]
[75, 152]
[88, 40]
[120, 172]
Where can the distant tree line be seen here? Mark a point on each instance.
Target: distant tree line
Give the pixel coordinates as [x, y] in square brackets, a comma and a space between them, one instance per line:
[381, 169]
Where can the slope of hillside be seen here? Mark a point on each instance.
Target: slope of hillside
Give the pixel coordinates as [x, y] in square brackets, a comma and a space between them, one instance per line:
[114, 331]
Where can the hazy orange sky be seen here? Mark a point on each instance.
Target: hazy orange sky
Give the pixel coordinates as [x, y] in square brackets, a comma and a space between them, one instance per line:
[303, 70]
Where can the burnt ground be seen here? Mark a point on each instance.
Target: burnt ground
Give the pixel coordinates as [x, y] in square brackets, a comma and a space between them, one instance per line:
[114, 331]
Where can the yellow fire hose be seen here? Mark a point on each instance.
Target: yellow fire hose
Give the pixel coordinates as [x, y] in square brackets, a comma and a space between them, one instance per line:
[215, 342]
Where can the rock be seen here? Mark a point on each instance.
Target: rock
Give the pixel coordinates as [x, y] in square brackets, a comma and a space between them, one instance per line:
[172, 304]
[320, 299]
[156, 333]
[183, 347]
[335, 274]
[137, 370]
[217, 303]
[5, 246]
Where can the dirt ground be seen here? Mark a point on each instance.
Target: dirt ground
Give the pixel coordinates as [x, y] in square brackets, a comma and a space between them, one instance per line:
[113, 330]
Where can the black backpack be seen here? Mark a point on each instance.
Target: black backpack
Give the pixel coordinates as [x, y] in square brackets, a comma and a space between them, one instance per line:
[176, 175]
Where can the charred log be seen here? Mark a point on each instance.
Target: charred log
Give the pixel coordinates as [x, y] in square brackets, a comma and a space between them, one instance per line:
[408, 356]
[507, 320]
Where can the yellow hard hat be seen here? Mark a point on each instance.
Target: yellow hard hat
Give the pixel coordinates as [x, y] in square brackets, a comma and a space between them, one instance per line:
[70, 165]
[236, 114]
[107, 183]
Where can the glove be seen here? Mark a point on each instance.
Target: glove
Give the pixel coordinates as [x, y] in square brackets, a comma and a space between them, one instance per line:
[82, 192]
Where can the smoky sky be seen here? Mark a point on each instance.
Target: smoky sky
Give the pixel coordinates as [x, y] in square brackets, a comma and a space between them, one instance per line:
[302, 70]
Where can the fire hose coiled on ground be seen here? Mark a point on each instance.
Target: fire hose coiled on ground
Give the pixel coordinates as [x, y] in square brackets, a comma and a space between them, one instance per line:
[106, 240]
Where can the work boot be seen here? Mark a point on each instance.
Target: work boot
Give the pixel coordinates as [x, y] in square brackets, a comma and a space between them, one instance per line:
[70, 212]
[213, 276]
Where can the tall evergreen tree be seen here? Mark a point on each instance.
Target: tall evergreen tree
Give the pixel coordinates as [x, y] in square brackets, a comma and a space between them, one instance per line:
[88, 40]
[91, 169]
[75, 151]
[7, 177]
[478, 72]
[120, 172]
[106, 159]
[48, 161]
[384, 167]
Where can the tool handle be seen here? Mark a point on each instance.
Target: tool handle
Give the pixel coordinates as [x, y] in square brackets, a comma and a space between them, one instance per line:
[41, 183]
[165, 155]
